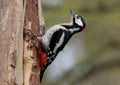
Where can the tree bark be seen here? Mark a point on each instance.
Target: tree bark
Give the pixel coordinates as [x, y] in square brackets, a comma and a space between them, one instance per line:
[33, 21]
[16, 65]
[11, 13]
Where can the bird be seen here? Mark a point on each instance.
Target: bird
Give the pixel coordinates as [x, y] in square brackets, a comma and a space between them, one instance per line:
[56, 38]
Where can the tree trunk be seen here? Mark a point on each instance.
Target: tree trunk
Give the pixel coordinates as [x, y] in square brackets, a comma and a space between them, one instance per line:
[33, 20]
[16, 65]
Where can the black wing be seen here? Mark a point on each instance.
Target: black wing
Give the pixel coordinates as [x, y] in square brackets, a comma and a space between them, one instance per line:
[67, 37]
[55, 39]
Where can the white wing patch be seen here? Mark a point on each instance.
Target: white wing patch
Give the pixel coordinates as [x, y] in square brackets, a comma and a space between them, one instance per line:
[47, 37]
[59, 43]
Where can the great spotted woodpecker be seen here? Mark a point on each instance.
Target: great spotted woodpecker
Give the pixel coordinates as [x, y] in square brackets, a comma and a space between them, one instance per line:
[57, 37]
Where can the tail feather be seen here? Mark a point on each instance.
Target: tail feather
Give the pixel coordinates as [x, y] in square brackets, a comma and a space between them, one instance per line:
[41, 75]
[42, 72]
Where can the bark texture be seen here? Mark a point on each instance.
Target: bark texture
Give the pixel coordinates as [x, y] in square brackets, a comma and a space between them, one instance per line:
[17, 67]
[11, 12]
[33, 21]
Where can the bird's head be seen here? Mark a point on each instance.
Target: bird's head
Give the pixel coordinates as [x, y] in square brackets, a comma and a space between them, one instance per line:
[78, 21]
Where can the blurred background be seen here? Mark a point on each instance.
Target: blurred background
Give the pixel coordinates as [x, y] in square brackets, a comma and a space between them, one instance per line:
[91, 57]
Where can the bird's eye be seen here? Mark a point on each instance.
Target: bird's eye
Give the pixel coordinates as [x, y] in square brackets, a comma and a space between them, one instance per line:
[78, 17]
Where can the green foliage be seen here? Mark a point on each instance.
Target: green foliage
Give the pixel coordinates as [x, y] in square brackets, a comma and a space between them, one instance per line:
[102, 34]
[102, 18]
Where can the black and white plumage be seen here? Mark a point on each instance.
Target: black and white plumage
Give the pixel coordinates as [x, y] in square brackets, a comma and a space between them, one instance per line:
[58, 36]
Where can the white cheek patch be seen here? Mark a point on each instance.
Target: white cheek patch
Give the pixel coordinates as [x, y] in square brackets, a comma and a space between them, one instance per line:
[74, 29]
[79, 22]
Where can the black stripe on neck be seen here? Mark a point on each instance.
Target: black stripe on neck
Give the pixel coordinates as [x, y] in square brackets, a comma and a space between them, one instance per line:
[74, 25]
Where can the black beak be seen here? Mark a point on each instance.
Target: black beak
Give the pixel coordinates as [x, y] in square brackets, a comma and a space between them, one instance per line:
[72, 12]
